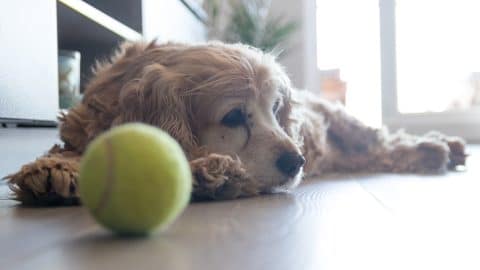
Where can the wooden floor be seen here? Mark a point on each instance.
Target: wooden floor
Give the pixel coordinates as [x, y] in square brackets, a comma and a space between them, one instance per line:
[341, 222]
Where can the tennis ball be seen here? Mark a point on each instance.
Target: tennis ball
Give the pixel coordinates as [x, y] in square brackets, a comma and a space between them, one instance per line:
[134, 179]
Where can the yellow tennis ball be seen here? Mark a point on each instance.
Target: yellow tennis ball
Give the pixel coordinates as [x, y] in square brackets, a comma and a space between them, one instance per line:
[135, 179]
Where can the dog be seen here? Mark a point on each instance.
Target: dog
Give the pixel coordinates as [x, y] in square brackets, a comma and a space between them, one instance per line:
[243, 126]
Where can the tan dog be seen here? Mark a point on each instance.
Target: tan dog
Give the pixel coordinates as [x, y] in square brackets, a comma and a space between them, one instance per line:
[243, 126]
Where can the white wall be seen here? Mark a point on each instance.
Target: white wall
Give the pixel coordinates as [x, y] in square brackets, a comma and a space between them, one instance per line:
[301, 60]
[170, 20]
[28, 54]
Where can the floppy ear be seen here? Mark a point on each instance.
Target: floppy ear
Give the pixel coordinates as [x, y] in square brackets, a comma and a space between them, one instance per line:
[284, 113]
[288, 117]
[156, 99]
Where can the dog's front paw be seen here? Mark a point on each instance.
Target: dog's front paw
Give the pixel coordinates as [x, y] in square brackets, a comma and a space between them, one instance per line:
[220, 177]
[48, 180]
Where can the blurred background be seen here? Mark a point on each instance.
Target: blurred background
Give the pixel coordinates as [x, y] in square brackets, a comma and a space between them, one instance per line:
[411, 64]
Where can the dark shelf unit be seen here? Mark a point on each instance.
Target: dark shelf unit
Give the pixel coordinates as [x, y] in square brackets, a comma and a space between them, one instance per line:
[35, 31]
[96, 27]
[95, 31]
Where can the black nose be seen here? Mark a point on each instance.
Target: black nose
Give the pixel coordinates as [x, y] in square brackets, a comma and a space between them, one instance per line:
[289, 163]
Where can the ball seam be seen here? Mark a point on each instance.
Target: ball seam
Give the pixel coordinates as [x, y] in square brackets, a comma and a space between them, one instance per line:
[110, 177]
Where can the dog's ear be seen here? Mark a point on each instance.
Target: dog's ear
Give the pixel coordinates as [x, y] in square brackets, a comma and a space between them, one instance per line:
[157, 99]
[284, 113]
[288, 117]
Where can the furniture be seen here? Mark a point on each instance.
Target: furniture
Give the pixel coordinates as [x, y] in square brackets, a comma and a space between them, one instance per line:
[33, 31]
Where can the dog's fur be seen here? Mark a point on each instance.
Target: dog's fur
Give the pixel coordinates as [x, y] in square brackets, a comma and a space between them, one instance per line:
[187, 90]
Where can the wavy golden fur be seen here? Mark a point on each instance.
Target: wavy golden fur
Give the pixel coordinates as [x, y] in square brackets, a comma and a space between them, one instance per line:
[243, 126]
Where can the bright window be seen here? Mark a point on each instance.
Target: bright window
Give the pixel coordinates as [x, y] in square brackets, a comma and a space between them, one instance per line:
[438, 55]
[408, 64]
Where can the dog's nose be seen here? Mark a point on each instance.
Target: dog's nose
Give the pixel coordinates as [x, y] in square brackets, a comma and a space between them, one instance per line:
[289, 163]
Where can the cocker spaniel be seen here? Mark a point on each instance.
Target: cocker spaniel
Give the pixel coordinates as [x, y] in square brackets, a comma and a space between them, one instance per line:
[245, 129]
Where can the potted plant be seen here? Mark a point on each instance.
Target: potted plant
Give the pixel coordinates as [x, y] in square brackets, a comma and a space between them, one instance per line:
[249, 22]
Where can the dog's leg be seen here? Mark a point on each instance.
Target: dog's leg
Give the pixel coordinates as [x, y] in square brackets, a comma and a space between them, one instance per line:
[352, 146]
[220, 177]
[49, 180]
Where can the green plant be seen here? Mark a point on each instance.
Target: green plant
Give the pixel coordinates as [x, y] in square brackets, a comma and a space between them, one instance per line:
[249, 22]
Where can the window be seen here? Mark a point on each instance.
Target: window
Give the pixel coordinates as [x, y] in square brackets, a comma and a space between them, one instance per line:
[412, 64]
[439, 56]
[431, 66]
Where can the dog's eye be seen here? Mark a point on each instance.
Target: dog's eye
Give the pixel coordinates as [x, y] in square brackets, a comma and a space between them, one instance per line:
[234, 118]
[275, 106]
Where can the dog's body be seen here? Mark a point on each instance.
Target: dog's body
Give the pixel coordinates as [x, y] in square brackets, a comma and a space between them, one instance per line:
[244, 128]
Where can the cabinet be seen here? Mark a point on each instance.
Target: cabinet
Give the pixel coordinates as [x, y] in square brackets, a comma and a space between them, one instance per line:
[32, 32]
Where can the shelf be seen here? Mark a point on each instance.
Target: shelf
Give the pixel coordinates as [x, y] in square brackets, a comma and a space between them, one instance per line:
[101, 19]
[96, 27]
[196, 9]
[127, 12]
[84, 28]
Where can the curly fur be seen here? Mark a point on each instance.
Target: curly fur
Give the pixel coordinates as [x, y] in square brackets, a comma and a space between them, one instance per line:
[164, 86]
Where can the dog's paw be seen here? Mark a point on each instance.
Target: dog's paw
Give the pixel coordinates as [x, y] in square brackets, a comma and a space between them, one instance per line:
[220, 177]
[48, 180]
[457, 153]
[432, 156]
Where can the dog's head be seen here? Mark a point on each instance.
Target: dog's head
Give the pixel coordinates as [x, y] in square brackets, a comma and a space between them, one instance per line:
[242, 107]
[227, 99]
